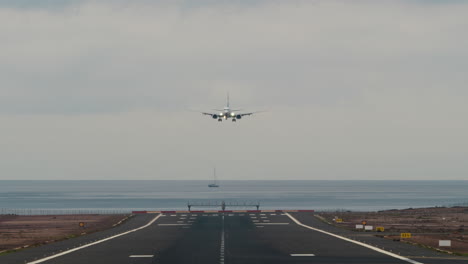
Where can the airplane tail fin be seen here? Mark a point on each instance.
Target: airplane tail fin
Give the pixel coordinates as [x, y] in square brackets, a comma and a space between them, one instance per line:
[227, 100]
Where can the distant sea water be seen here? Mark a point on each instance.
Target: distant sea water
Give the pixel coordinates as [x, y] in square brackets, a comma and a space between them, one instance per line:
[160, 195]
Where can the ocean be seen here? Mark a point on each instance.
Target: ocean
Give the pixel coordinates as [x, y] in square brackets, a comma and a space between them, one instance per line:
[44, 196]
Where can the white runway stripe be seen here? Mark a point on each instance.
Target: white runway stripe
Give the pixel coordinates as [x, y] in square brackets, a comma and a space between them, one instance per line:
[355, 242]
[302, 255]
[141, 256]
[94, 243]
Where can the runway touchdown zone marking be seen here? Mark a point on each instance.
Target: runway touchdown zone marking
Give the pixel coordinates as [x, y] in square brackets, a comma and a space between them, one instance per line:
[94, 243]
[355, 242]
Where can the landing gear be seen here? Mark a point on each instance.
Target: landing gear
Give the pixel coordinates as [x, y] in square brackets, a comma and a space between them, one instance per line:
[234, 120]
[219, 120]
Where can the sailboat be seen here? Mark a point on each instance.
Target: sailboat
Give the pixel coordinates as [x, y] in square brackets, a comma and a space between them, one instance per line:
[214, 180]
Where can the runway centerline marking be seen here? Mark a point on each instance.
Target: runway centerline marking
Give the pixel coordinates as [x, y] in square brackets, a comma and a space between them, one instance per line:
[302, 255]
[354, 241]
[141, 256]
[221, 251]
[96, 242]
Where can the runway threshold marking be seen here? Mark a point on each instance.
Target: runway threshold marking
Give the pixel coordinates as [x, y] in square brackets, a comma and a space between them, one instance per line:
[141, 256]
[355, 242]
[95, 243]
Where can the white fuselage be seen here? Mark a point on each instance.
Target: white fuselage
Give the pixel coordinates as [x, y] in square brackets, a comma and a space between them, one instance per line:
[227, 113]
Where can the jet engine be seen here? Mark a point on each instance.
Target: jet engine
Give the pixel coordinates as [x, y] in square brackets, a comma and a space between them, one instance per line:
[238, 116]
[215, 116]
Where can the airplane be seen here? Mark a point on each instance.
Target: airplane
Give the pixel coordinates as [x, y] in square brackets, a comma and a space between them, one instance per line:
[227, 113]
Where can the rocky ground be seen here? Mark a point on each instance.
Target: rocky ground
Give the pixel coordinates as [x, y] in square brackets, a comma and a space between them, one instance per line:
[426, 225]
[17, 232]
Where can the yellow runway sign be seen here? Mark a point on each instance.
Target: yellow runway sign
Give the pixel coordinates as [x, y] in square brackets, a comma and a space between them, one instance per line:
[405, 235]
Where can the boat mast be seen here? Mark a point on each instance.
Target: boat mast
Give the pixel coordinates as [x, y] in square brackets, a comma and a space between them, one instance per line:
[214, 175]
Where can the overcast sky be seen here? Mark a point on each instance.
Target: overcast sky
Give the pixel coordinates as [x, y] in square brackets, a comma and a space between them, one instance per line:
[352, 89]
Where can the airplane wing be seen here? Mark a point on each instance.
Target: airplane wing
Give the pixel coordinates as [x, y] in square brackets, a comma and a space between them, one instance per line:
[251, 113]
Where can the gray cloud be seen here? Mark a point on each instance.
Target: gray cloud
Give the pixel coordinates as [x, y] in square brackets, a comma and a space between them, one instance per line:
[361, 90]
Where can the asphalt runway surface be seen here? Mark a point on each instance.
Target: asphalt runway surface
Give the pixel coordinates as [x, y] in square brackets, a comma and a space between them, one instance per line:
[225, 238]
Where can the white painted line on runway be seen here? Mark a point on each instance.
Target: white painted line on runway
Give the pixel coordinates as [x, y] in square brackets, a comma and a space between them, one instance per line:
[221, 251]
[355, 242]
[272, 223]
[255, 221]
[272, 214]
[302, 255]
[173, 215]
[266, 220]
[141, 256]
[94, 243]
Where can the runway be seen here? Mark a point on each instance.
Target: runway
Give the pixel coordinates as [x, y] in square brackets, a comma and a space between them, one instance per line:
[229, 237]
